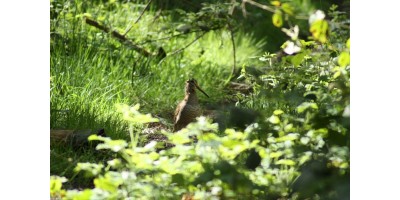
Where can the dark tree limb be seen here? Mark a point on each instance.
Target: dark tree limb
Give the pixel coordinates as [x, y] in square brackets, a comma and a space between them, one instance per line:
[119, 36]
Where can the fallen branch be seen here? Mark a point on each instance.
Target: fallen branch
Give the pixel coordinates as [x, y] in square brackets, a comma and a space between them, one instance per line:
[75, 138]
[119, 36]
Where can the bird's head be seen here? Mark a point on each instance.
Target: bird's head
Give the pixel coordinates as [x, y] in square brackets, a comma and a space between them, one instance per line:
[191, 86]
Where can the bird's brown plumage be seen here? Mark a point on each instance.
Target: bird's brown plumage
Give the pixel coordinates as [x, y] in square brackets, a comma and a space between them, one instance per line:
[188, 109]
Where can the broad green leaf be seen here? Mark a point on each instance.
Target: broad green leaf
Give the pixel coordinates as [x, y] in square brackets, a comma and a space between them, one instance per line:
[91, 168]
[319, 30]
[56, 183]
[99, 138]
[286, 162]
[85, 194]
[305, 157]
[305, 105]
[287, 8]
[106, 184]
[348, 43]
[274, 119]
[336, 74]
[307, 43]
[288, 137]
[288, 127]
[297, 59]
[79, 195]
[276, 154]
[277, 19]
[180, 138]
[278, 112]
[114, 163]
[344, 59]
[262, 153]
[346, 112]
[276, 3]
[305, 140]
[114, 145]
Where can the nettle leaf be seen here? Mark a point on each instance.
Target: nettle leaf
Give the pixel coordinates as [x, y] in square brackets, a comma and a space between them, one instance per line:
[319, 30]
[277, 19]
[344, 59]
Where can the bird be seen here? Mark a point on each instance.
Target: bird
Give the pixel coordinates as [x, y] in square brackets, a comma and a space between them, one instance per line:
[188, 109]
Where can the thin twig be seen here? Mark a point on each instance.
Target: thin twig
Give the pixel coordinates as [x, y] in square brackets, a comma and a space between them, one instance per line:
[119, 36]
[140, 16]
[264, 7]
[244, 9]
[234, 49]
[169, 37]
[158, 14]
[232, 9]
[181, 49]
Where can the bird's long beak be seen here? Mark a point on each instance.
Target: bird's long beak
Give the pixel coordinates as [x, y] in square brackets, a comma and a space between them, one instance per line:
[198, 87]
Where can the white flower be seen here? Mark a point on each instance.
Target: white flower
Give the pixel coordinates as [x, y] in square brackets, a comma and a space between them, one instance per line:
[291, 48]
[293, 33]
[318, 15]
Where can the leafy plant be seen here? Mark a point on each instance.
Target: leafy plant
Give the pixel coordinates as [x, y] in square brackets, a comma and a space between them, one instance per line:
[297, 147]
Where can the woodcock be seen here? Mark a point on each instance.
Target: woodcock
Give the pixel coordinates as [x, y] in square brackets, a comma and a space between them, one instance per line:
[188, 109]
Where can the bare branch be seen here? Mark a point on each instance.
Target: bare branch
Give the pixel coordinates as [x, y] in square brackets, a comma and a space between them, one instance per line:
[169, 37]
[181, 49]
[119, 36]
[140, 16]
[234, 49]
[264, 7]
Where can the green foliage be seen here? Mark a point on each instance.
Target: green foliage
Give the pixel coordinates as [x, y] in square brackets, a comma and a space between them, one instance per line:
[277, 19]
[297, 148]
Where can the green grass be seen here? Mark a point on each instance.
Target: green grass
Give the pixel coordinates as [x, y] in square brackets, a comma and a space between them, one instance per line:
[91, 72]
